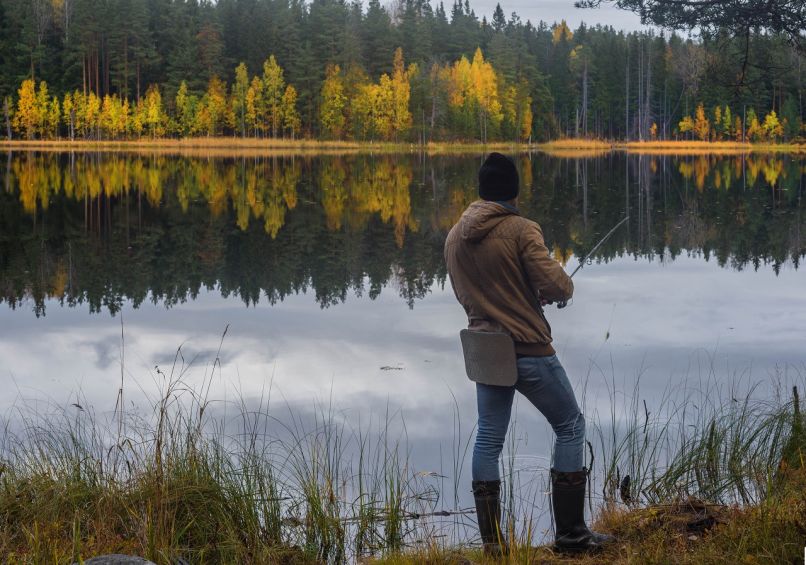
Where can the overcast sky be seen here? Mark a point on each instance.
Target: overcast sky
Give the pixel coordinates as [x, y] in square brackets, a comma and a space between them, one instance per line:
[556, 10]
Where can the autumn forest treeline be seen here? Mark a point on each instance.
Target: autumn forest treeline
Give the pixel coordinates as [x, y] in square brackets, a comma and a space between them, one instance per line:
[409, 72]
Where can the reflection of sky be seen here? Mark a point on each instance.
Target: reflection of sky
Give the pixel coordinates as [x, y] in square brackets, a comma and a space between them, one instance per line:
[661, 318]
[668, 323]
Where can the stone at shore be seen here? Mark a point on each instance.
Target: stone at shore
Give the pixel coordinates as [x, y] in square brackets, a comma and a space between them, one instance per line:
[117, 559]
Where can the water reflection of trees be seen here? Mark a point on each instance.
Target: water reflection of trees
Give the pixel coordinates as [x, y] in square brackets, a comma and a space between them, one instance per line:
[722, 172]
[103, 228]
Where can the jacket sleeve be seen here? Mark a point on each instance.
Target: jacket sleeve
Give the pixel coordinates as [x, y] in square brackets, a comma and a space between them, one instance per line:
[546, 276]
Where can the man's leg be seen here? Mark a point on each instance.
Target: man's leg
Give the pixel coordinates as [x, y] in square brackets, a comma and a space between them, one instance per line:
[495, 407]
[544, 382]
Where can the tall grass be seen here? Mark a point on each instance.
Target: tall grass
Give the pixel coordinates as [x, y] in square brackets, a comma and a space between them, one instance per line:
[717, 442]
[204, 481]
[181, 483]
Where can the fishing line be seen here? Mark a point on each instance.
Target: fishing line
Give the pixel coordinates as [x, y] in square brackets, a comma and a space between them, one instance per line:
[564, 303]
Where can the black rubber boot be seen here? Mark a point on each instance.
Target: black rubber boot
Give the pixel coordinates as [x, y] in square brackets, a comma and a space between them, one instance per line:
[568, 501]
[488, 510]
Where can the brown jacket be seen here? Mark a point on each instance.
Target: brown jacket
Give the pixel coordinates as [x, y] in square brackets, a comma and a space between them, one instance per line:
[500, 267]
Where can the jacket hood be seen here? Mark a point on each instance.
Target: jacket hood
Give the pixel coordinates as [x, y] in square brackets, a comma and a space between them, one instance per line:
[480, 218]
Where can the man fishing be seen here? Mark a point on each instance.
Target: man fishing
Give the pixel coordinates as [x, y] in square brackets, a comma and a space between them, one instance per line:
[503, 275]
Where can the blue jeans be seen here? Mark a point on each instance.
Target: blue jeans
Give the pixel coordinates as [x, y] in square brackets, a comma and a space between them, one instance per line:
[542, 380]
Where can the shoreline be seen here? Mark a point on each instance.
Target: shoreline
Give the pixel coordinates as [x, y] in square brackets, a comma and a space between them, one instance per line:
[240, 147]
[175, 484]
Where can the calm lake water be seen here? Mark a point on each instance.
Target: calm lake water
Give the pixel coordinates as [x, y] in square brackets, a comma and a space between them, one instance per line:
[328, 273]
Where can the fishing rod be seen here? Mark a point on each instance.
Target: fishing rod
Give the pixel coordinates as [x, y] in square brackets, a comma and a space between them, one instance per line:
[564, 303]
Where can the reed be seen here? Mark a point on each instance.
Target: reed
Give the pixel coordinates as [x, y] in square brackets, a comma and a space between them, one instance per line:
[180, 483]
[718, 477]
[200, 481]
[723, 445]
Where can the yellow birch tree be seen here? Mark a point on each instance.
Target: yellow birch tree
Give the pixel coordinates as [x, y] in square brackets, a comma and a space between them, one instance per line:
[400, 95]
[702, 127]
[185, 110]
[717, 122]
[273, 89]
[772, 126]
[42, 109]
[291, 119]
[92, 115]
[755, 132]
[25, 118]
[213, 108]
[332, 109]
[254, 101]
[54, 116]
[239, 90]
[154, 116]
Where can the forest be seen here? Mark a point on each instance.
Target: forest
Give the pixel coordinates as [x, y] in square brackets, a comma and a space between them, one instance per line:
[407, 72]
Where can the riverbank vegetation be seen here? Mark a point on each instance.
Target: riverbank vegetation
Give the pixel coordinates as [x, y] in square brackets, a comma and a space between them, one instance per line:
[417, 73]
[227, 146]
[683, 532]
[696, 480]
[239, 147]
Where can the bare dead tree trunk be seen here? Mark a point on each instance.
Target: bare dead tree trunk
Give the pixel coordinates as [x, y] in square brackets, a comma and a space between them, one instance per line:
[97, 73]
[67, 7]
[627, 100]
[640, 92]
[7, 112]
[105, 71]
[42, 12]
[125, 86]
[648, 90]
[433, 114]
[665, 110]
[585, 99]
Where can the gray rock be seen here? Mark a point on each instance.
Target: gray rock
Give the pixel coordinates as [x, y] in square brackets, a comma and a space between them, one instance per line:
[117, 559]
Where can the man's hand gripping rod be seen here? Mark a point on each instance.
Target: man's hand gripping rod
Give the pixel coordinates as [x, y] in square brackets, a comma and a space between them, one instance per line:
[564, 303]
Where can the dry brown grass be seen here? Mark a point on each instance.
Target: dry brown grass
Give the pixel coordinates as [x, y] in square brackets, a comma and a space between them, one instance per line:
[689, 532]
[576, 148]
[252, 147]
[577, 143]
[247, 147]
[582, 148]
[709, 147]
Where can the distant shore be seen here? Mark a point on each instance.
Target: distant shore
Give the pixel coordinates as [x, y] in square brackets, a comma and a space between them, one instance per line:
[670, 147]
[234, 146]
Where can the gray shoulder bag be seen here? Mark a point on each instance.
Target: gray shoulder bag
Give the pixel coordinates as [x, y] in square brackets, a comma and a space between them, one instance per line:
[489, 357]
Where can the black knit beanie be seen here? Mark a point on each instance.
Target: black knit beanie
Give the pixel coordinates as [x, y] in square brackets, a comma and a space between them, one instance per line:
[498, 178]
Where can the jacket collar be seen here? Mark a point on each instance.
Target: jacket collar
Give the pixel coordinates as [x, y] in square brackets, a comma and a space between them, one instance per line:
[508, 206]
